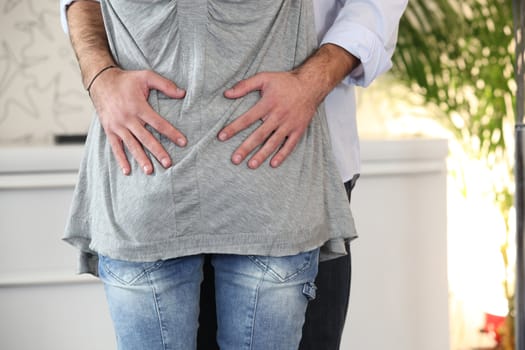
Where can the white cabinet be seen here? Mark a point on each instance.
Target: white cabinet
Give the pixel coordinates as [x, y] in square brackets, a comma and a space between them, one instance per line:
[399, 288]
[399, 293]
[43, 304]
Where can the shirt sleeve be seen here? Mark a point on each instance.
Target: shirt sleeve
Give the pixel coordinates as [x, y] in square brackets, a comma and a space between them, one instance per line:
[368, 30]
[63, 19]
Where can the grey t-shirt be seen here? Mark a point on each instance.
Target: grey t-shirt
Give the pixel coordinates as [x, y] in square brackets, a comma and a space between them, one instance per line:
[204, 203]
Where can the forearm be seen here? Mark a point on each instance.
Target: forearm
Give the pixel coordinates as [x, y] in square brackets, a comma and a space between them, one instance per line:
[368, 30]
[325, 69]
[88, 38]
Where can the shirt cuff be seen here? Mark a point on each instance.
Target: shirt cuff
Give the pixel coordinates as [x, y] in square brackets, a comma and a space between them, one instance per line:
[365, 45]
[63, 8]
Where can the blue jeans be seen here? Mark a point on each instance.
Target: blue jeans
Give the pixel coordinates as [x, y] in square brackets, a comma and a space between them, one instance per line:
[261, 300]
[325, 316]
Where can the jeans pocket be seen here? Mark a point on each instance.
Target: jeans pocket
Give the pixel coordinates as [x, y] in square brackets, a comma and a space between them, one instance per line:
[285, 268]
[124, 272]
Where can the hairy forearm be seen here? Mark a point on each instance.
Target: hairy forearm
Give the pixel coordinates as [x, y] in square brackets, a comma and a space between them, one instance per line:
[326, 68]
[88, 38]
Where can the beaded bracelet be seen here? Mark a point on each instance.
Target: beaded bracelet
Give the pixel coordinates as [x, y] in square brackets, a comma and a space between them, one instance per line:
[97, 75]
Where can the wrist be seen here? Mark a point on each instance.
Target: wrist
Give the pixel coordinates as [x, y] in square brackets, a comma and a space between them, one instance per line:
[91, 63]
[97, 75]
[326, 68]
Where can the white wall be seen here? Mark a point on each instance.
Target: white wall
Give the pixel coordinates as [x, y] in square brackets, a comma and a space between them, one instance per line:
[40, 90]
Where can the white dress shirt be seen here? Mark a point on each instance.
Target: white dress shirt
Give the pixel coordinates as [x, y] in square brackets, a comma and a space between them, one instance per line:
[368, 30]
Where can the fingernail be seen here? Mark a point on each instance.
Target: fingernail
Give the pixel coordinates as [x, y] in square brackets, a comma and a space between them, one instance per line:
[147, 169]
[166, 162]
[125, 171]
[223, 136]
[228, 92]
[237, 158]
[254, 163]
[181, 142]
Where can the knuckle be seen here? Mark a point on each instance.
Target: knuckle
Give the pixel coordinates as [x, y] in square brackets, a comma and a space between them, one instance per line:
[274, 144]
[263, 75]
[241, 85]
[157, 123]
[150, 142]
[134, 149]
[243, 150]
[284, 153]
[115, 143]
[133, 146]
[157, 149]
[145, 73]
[259, 138]
[263, 154]
[236, 127]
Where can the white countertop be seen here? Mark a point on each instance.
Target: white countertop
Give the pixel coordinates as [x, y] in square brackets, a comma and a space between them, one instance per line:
[38, 159]
[378, 156]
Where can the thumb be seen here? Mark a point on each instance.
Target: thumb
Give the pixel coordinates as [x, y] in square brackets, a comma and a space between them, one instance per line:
[166, 86]
[244, 87]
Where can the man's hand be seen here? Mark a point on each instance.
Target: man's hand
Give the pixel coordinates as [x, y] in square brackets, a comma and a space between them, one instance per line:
[120, 98]
[286, 108]
[287, 105]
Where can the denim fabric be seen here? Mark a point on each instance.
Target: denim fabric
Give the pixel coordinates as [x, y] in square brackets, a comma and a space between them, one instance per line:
[325, 316]
[260, 300]
[153, 304]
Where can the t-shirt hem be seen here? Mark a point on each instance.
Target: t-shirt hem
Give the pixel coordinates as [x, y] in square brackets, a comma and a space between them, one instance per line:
[238, 244]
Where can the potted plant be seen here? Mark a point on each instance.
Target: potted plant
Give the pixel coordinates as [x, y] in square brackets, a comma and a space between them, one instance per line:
[458, 55]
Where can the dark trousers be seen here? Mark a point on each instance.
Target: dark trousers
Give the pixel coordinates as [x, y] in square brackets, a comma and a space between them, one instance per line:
[325, 315]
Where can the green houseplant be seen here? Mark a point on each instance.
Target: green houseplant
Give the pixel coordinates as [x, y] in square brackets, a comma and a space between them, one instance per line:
[457, 56]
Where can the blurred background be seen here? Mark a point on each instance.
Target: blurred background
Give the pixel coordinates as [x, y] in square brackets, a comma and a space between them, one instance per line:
[438, 157]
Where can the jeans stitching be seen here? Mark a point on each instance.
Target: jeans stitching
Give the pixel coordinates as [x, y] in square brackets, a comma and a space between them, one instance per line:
[120, 280]
[144, 272]
[255, 304]
[268, 270]
[156, 299]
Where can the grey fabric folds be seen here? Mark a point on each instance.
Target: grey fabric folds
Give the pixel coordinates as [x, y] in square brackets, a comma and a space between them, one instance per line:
[204, 203]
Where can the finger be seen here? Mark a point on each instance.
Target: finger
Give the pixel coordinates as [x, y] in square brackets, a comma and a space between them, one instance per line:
[160, 124]
[272, 144]
[118, 151]
[244, 121]
[244, 87]
[257, 138]
[152, 144]
[166, 86]
[286, 149]
[138, 153]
